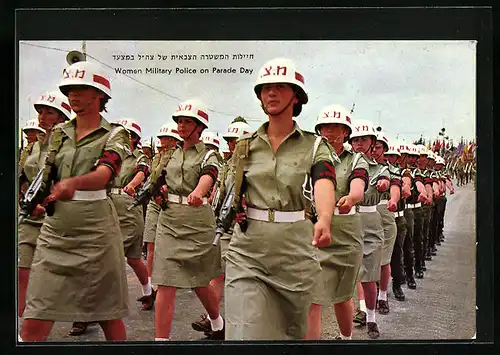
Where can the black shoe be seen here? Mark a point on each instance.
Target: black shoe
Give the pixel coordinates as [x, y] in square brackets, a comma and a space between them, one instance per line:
[438, 242]
[419, 275]
[411, 282]
[428, 256]
[423, 267]
[398, 293]
[403, 282]
[433, 252]
[360, 318]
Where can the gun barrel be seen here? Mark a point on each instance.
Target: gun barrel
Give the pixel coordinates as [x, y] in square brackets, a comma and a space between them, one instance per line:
[216, 239]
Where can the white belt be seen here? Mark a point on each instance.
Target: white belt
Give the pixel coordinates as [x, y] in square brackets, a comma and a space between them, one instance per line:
[336, 212]
[399, 214]
[89, 195]
[411, 206]
[367, 209]
[275, 216]
[183, 200]
[116, 191]
[383, 202]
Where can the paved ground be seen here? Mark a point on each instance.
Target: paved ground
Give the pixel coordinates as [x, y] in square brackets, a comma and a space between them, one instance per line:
[442, 306]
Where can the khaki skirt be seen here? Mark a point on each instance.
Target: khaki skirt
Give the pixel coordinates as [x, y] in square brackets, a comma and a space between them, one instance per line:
[373, 239]
[78, 271]
[184, 254]
[340, 261]
[224, 245]
[27, 234]
[131, 224]
[390, 231]
[152, 214]
[271, 270]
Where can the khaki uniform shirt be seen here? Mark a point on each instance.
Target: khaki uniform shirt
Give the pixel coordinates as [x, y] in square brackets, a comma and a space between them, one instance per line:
[372, 196]
[133, 159]
[79, 158]
[344, 169]
[274, 180]
[183, 171]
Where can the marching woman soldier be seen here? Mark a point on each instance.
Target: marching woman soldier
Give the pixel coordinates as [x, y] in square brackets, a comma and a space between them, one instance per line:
[133, 172]
[234, 131]
[32, 129]
[420, 211]
[78, 271]
[271, 262]
[386, 208]
[428, 210]
[52, 108]
[169, 138]
[184, 255]
[341, 260]
[394, 159]
[363, 139]
[418, 195]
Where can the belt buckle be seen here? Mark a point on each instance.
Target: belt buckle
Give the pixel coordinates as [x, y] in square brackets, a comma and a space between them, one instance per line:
[270, 215]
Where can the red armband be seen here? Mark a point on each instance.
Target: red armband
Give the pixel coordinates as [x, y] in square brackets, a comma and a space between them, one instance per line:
[141, 167]
[323, 170]
[359, 173]
[428, 181]
[112, 160]
[396, 182]
[210, 170]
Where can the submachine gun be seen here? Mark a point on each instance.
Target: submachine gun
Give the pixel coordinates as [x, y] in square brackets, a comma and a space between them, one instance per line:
[226, 215]
[36, 193]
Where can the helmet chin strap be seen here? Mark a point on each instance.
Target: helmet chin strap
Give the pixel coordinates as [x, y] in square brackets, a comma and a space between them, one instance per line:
[279, 113]
[86, 105]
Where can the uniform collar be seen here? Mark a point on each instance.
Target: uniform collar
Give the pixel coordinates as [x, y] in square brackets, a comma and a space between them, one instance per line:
[69, 127]
[261, 132]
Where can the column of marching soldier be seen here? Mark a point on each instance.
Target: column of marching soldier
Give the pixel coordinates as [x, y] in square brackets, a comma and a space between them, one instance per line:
[288, 222]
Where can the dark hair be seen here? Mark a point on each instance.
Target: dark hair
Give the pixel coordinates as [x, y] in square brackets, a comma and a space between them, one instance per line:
[297, 109]
[103, 103]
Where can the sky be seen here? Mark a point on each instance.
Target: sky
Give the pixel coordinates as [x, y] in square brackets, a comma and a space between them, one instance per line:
[409, 88]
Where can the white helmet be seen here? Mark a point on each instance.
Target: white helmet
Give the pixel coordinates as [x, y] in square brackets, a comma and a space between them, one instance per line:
[33, 124]
[440, 160]
[431, 155]
[403, 147]
[381, 137]
[393, 148]
[169, 130]
[281, 70]
[414, 150]
[56, 100]
[192, 108]
[362, 128]
[85, 73]
[147, 143]
[236, 130]
[334, 114]
[131, 125]
[211, 138]
[422, 150]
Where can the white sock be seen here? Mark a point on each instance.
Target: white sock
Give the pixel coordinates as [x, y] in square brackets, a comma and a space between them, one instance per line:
[362, 305]
[162, 339]
[382, 295]
[344, 337]
[19, 339]
[370, 316]
[217, 324]
[146, 289]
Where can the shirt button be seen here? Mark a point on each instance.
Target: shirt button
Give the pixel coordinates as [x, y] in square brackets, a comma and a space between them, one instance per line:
[273, 198]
